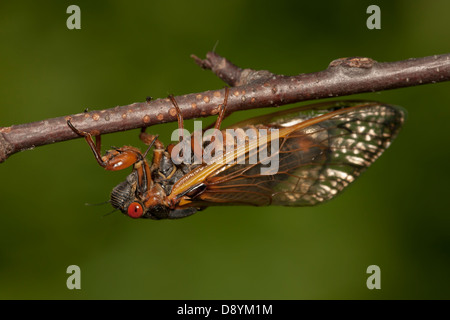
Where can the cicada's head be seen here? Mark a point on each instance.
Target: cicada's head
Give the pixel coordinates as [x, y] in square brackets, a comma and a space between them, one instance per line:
[127, 197]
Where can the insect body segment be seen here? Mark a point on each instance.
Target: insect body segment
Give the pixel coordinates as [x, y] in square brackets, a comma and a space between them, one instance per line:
[321, 149]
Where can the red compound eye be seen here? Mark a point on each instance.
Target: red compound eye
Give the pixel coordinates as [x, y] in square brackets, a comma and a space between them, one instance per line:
[135, 210]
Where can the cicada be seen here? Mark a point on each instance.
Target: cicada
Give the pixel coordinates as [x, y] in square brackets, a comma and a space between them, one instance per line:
[321, 149]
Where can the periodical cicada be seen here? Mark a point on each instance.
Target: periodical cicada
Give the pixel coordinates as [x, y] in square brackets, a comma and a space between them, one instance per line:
[321, 149]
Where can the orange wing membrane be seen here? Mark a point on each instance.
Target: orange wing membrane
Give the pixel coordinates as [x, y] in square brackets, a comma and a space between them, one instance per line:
[321, 151]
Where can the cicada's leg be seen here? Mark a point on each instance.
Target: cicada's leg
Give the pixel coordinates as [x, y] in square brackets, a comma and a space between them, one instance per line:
[179, 116]
[222, 110]
[222, 115]
[150, 139]
[198, 145]
[95, 147]
[114, 160]
[198, 152]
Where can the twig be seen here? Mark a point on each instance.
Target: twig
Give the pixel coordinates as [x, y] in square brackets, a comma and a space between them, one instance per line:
[250, 89]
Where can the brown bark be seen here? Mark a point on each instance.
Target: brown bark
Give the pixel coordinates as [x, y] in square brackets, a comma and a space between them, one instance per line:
[249, 89]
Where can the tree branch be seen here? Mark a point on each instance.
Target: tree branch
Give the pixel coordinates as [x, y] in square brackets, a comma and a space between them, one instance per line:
[250, 89]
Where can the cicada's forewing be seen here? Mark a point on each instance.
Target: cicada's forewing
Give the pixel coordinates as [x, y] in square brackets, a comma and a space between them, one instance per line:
[322, 149]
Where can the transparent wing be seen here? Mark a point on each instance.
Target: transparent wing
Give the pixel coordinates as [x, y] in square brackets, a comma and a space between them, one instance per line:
[323, 150]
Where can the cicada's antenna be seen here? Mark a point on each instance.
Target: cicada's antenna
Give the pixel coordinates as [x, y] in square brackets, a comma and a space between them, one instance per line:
[107, 214]
[97, 204]
[149, 147]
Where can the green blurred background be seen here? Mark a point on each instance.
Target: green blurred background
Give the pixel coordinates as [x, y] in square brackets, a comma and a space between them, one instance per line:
[395, 216]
